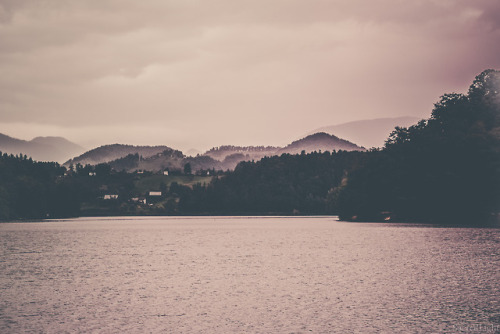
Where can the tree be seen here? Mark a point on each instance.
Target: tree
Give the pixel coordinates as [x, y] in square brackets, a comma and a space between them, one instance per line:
[187, 169]
[102, 170]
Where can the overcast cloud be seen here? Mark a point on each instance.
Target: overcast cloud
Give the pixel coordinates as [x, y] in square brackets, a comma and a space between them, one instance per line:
[190, 73]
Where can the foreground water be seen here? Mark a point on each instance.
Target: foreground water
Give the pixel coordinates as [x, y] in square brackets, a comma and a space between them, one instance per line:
[252, 275]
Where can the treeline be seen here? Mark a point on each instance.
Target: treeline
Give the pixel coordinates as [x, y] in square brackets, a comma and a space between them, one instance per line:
[35, 190]
[30, 189]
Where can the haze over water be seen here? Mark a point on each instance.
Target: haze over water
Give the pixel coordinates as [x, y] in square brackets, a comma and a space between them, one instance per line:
[265, 275]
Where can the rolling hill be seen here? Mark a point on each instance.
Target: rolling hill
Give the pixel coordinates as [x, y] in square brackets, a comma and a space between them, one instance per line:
[108, 153]
[320, 141]
[158, 158]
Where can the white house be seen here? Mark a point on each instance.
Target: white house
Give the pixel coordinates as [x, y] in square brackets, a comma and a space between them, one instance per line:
[165, 172]
[138, 200]
[110, 196]
[155, 193]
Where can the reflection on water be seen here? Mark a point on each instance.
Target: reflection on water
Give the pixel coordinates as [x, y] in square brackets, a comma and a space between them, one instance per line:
[283, 275]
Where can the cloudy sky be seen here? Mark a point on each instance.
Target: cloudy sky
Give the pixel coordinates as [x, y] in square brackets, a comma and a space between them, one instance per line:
[202, 73]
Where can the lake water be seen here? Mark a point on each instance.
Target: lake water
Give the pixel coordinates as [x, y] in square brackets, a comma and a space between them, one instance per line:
[247, 275]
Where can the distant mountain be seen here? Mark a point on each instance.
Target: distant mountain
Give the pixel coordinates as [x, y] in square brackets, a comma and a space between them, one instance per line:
[41, 148]
[109, 153]
[320, 142]
[368, 133]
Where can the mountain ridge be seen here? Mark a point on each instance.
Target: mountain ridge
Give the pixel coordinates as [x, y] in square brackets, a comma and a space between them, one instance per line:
[108, 153]
[226, 157]
[40, 148]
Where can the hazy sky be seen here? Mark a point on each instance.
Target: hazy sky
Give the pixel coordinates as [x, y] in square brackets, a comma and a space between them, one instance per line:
[196, 74]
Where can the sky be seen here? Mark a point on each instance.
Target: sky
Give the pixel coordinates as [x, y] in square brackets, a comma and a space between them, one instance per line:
[203, 73]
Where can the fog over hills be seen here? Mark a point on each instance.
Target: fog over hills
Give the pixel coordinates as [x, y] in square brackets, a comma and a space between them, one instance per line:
[41, 148]
[320, 141]
[161, 157]
[157, 158]
[112, 152]
[251, 152]
[368, 133]
[365, 133]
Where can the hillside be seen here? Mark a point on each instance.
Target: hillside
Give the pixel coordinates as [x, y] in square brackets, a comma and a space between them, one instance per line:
[109, 153]
[252, 152]
[320, 142]
[368, 133]
[56, 149]
[160, 158]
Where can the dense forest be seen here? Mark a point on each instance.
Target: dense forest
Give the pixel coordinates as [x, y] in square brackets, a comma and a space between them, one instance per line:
[442, 170]
[286, 184]
[30, 189]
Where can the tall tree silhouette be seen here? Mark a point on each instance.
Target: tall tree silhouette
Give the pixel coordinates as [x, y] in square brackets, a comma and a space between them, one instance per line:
[444, 169]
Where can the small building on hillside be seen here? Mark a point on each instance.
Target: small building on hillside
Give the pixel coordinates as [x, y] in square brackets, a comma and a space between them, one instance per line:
[110, 196]
[138, 200]
[154, 197]
[165, 172]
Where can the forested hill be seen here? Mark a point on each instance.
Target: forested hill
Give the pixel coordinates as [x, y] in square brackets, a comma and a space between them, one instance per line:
[161, 158]
[285, 185]
[109, 153]
[320, 141]
[251, 152]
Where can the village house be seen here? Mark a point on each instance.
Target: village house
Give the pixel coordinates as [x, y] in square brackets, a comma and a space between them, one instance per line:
[110, 196]
[153, 197]
[138, 200]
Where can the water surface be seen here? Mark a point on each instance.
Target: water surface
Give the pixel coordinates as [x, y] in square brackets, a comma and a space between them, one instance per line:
[252, 275]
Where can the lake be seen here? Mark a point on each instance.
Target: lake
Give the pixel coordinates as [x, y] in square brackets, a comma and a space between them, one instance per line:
[247, 275]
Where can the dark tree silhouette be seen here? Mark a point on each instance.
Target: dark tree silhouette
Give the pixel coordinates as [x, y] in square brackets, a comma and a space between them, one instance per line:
[445, 169]
[187, 169]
